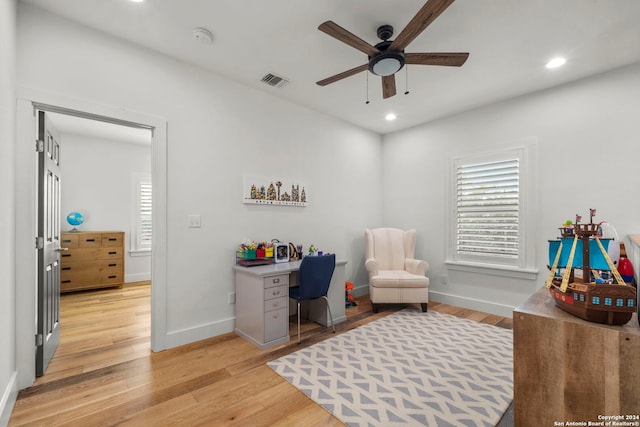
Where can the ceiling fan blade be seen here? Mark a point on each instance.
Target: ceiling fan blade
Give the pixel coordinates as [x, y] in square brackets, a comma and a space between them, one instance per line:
[342, 75]
[425, 16]
[336, 31]
[388, 86]
[446, 59]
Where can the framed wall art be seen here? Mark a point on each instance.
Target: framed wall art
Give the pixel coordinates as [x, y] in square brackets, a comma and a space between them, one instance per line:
[276, 191]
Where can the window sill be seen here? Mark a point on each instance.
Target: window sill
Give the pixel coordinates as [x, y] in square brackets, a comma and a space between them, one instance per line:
[142, 252]
[493, 270]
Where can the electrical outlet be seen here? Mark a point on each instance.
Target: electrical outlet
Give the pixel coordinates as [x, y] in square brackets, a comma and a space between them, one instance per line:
[231, 298]
[443, 279]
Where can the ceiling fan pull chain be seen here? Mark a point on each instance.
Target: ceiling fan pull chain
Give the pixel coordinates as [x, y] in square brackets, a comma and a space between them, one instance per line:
[406, 80]
[367, 88]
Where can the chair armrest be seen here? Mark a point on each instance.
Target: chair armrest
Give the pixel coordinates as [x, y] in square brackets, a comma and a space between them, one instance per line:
[416, 266]
[372, 267]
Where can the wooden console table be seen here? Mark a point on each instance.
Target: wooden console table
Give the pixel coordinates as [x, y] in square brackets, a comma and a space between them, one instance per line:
[568, 369]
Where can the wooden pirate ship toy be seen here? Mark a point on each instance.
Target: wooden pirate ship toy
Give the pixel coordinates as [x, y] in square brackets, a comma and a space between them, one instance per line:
[598, 294]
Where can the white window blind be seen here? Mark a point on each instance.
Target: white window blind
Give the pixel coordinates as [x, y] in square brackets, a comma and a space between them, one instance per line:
[143, 218]
[488, 209]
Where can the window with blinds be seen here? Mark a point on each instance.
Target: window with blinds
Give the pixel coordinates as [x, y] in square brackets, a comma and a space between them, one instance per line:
[142, 216]
[488, 209]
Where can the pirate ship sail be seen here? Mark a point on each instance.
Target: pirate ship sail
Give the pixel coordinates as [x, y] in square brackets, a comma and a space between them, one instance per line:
[599, 294]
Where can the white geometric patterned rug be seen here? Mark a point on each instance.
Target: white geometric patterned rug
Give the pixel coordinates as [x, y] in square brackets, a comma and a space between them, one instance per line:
[409, 368]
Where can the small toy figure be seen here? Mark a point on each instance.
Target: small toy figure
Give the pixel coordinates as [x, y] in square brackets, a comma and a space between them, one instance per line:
[312, 250]
[349, 300]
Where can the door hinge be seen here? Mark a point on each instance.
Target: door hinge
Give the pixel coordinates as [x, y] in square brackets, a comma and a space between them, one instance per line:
[39, 242]
[39, 339]
[39, 146]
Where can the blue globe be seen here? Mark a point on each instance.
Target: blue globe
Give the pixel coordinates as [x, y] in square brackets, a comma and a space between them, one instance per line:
[75, 219]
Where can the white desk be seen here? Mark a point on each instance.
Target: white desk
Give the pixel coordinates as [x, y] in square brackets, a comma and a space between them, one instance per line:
[262, 301]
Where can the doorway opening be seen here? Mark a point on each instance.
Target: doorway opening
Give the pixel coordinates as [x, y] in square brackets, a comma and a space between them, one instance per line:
[106, 224]
[27, 207]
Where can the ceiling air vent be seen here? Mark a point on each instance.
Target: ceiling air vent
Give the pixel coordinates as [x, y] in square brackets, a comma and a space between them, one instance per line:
[275, 80]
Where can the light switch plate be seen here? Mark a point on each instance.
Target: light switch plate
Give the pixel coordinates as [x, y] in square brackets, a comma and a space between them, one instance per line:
[194, 221]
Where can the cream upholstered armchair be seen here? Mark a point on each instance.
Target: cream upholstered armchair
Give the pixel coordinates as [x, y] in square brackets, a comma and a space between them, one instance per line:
[394, 275]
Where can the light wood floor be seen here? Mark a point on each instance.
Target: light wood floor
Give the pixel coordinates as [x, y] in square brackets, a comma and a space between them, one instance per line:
[104, 373]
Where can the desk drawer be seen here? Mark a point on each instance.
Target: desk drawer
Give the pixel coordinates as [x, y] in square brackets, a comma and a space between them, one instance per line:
[276, 324]
[270, 282]
[275, 304]
[277, 292]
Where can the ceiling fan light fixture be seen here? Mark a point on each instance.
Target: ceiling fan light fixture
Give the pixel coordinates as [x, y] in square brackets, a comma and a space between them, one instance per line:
[386, 63]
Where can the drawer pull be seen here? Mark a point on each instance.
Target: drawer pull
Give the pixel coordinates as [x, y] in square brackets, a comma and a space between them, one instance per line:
[112, 239]
[66, 268]
[113, 253]
[275, 316]
[112, 265]
[276, 280]
[275, 293]
[91, 240]
[66, 241]
[275, 305]
[65, 255]
[66, 281]
[112, 277]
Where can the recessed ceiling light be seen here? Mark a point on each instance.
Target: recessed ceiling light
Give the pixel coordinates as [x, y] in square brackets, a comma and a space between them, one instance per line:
[137, 1]
[390, 116]
[556, 62]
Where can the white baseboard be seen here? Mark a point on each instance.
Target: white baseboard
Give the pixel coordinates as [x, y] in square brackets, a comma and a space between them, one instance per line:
[191, 335]
[473, 304]
[138, 277]
[359, 290]
[8, 400]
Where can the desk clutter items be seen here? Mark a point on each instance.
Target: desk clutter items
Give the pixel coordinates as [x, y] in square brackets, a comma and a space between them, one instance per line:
[250, 253]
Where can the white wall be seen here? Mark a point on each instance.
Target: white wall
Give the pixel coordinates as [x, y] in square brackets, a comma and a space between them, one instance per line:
[7, 219]
[98, 182]
[587, 158]
[218, 131]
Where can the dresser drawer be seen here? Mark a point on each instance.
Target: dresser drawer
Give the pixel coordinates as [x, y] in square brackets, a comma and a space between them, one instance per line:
[91, 277]
[276, 292]
[270, 282]
[276, 304]
[75, 267]
[83, 254]
[112, 239]
[276, 324]
[90, 240]
[69, 241]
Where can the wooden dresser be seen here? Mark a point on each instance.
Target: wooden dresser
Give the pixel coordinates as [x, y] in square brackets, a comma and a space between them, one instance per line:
[568, 369]
[94, 259]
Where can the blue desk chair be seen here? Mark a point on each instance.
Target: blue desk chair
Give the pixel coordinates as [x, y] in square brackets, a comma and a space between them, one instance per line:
[315, 276]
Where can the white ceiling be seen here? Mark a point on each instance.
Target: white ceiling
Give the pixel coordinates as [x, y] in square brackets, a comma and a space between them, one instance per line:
[509, 42]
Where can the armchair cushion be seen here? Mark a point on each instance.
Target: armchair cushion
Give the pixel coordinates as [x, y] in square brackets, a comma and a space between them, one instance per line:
[398, 279]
